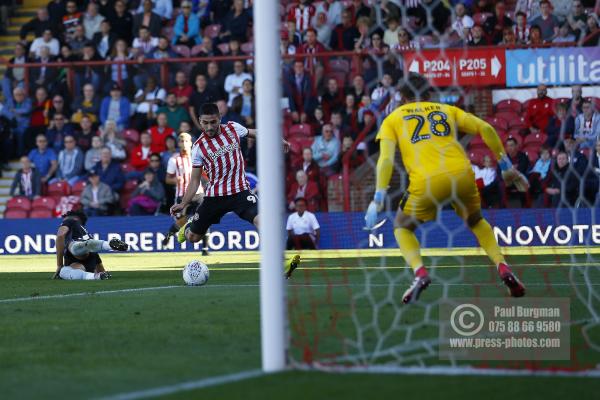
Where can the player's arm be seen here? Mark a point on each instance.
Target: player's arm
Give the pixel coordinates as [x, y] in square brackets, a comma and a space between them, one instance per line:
[60, 249]
[385, 167]
[470, 124]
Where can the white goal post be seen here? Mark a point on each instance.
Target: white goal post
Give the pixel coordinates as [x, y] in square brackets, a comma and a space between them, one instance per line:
[270, 181]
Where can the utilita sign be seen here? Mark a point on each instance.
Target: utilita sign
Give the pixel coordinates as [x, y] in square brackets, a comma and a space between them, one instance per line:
[459, 67]
[555, 66]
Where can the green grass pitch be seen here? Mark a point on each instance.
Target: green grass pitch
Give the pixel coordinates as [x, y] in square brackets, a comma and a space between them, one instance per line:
[99, 341]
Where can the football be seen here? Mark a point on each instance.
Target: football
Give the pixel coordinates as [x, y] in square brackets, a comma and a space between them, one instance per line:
[195, 273]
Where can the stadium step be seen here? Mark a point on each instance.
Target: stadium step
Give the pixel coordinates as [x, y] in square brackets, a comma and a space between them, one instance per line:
[4, 191]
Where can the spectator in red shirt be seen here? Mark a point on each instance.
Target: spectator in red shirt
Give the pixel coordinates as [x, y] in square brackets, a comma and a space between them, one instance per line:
[183, 90]
[312, 46]
[539, 111]
[140, 156]
[160, 133]
[306, 189]
[301, 14]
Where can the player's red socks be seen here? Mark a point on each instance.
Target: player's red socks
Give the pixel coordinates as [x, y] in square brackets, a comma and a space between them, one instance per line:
[421, 272]
[504, 269]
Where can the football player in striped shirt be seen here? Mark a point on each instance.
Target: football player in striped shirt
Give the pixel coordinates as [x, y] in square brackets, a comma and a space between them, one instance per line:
[217, 151]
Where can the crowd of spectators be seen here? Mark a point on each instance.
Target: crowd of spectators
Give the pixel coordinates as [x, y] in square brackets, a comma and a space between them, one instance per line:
[111, 123]
[555, 144]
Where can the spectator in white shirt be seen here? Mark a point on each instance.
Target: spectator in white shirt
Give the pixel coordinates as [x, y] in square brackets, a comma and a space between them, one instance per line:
[303, 228]
[144, 43]
[92, 21]
[462, 22]
[234, 82]
[46, 40]
[164, 8]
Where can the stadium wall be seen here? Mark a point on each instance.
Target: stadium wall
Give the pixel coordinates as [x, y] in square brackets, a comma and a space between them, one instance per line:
[515, 227]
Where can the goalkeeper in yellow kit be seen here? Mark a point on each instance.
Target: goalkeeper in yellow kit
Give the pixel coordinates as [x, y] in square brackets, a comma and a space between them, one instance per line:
[439, 171]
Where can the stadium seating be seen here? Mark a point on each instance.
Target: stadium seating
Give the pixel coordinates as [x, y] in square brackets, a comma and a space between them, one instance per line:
[498, 123]
[40, 213]
[19, 203]
[58, 189]
[77, 188]
[535, 139]
[44, 203]
[182, 50]
[131, 135]
[510, 105]
[15, 214]
[300, 130]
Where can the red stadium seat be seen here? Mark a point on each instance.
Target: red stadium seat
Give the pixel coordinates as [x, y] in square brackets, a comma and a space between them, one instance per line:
[560, 100]
[131, 135]
[509, 116]
[479, 18]
[339, 65]
[182, 50]
[476, 141]
[48, 203]
[212, 31]
[40, 213]
[247, 48]
[509, 105]
[537, 139]
[19, 203]
[59, 189]
[477, 155]
[596, 101]
[498, 123]
[224, 48]
[77, 188]
[519, 123]
[301, 130]
[13, 213]
[197, 49]
[533, 153]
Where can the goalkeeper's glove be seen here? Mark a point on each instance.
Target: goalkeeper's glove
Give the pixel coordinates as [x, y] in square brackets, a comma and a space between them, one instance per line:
[511, 175]
[374, 207]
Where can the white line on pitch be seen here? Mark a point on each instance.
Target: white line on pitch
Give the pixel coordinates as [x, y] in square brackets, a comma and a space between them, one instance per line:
[62, 296]
[185, 386]
[255, 285]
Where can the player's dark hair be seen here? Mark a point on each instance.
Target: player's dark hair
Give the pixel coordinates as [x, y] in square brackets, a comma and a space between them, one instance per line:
[209, 109]
[79, 214]
[415, 88]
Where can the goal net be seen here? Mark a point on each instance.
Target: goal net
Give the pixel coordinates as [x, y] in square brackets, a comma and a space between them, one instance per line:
[345, 309]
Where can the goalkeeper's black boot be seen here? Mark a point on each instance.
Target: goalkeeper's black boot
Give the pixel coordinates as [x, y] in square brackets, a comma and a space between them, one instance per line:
[514, 285]
[419, 284]
[118, 245]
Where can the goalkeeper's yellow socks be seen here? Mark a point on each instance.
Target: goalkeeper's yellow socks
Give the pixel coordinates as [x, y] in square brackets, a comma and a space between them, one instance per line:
[485, 235]
[411, 250]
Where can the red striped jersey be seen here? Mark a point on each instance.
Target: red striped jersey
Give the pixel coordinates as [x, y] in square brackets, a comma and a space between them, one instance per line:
[180, 165]
[222, 159]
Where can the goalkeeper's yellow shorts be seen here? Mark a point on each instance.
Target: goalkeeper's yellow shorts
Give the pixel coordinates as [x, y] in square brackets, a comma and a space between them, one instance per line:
[425, 197]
